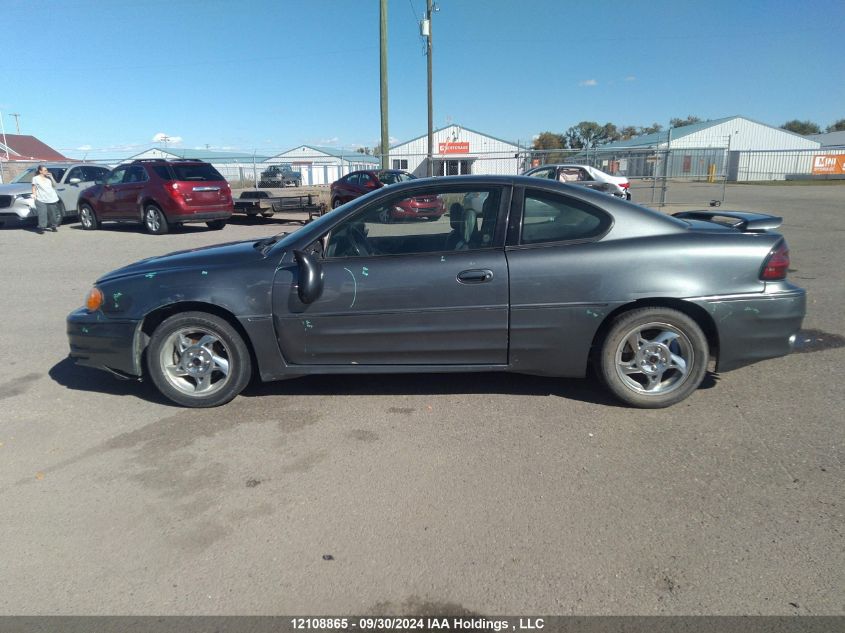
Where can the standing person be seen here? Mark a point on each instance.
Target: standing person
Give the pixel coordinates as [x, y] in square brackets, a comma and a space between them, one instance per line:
[46, 199]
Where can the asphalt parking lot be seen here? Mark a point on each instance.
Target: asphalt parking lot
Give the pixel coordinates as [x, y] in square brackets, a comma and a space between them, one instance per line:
[488, 494]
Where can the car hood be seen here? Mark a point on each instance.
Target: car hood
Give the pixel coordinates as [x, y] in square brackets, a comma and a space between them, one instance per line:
[15, 188]
[198, 258]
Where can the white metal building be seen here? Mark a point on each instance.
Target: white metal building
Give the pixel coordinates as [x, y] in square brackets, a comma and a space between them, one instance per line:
[752, 150]
[457, 150]
[323, 165]
[232, 165]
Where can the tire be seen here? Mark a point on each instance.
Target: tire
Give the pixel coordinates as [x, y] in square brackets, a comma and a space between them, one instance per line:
[216, 225]
[87, 217]
[198, 360]
[154, 220]
[336, 203]
[668, 364]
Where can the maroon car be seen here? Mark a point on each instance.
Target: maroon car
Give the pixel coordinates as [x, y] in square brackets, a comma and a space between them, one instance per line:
[357, 183]
[158, 194]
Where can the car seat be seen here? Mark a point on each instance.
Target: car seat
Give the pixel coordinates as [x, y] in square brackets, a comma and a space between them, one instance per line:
[464, 224]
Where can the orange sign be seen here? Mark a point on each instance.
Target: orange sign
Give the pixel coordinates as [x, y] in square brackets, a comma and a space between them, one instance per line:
[453, 147]
[829, 164]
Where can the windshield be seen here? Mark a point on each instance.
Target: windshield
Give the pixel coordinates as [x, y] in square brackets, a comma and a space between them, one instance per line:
[27, 176]
[392, 177]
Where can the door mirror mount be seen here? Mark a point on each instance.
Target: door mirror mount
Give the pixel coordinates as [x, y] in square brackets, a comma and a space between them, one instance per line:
[310, 277]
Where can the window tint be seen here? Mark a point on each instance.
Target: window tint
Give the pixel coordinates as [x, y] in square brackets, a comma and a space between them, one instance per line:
[116, 177]
[392, 177]
[548, 217]
[352, 179]
[163, 172]
[428, 222]
[364, 179]
[198, 172]
[135, 173]
[93, 173]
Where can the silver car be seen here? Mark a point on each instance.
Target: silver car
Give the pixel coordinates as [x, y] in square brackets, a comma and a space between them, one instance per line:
[17, 208]
[585, 176]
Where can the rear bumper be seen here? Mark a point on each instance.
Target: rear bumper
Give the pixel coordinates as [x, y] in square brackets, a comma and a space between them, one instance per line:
[204, 216]
[755, 327]
[104, 343]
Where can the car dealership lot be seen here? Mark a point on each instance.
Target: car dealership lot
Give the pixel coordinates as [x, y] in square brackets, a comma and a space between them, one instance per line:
[487, 493]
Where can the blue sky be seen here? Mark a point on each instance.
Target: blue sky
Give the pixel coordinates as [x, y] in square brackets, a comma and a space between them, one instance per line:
[103, 77]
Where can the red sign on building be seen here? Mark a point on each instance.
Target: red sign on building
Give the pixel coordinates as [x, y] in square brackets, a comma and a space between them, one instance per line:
[453, 147]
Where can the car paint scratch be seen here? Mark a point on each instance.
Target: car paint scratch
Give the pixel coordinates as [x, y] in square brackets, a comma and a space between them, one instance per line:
[354, 287]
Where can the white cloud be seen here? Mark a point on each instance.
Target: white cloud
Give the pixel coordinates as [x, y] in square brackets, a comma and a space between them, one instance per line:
[84, 148]
[334, 140]
[161, 137]
[630, 78]
[588, 83]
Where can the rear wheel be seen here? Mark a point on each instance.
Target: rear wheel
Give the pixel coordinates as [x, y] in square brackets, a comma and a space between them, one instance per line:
[87, 217]
[216, 225]
[198, 360]
[336, 203]
[653, 357]
[154, 220]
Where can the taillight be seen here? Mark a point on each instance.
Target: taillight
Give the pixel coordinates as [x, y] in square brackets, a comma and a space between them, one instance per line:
[624, 185]
[173, 189]
[777, 264]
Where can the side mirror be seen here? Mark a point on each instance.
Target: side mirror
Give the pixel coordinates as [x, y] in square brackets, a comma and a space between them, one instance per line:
[310, 277]
[74, 181]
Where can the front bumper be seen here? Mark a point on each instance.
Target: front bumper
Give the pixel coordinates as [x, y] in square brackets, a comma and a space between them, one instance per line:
[11, 219]
[105, 343]
[755, 327]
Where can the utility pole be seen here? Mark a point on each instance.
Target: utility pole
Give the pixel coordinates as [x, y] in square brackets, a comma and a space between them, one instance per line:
[17, 122]
[385, 139]
[426, 31]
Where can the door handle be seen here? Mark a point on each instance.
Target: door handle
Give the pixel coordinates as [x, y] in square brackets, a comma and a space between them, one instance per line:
[478, 276]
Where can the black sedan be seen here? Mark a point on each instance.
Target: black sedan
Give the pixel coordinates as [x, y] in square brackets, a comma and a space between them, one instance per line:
[543, 278]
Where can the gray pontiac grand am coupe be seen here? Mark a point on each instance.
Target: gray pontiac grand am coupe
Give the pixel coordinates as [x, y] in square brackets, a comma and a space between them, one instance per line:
[540, 278]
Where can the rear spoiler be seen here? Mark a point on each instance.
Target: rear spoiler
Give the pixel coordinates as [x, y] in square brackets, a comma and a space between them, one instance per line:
[752, 222]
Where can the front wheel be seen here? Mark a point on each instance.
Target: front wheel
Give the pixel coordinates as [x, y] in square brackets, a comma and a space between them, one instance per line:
[653, 357]
[336, 203]
[154, 220]
[216, 225]
[198, 360]
[87, 217]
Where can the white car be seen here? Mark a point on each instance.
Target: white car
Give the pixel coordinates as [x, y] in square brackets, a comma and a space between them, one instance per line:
[585, 176]
[17, 208]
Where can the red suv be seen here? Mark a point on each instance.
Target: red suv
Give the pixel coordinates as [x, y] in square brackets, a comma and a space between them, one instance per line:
[160, 194]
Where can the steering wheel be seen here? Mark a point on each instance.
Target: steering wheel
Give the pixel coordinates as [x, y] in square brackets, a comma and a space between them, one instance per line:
[357, 241]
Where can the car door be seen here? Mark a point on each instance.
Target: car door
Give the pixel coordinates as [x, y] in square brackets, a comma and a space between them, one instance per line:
[577, 175]
[129, 191]
[409, 293]
[108, 208]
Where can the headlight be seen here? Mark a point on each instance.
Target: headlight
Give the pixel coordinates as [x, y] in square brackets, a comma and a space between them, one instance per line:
[94, 300]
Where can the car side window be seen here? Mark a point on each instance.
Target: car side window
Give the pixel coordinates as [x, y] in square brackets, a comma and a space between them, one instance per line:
[364, 180]
[76, 172]
[550, 217]
[352, 179]
[543, 173]
[116, 177]
[135, 173]
[442, 219]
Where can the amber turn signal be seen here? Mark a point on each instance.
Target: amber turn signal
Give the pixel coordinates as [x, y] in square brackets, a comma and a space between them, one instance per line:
[94, 299]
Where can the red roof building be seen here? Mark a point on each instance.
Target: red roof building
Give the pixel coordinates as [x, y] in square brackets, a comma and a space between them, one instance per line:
[28, 148]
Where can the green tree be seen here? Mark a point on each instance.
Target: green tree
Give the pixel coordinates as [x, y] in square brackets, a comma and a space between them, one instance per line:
[587, 134]
[651, 129]
[610, 133]
[839, 126]
[682, 122]
[801, 127]
[549, 141]
[629, 131]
